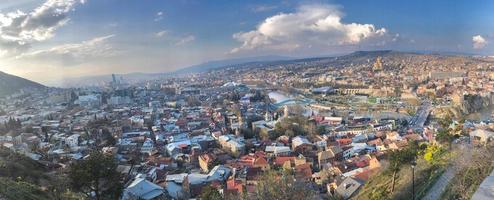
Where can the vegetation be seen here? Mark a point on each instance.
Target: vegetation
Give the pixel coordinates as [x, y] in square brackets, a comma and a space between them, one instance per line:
[471, 171]
[210, 193]
[399, 165]
[434, 154]
[10, 189]
[274, 186]
[402, 157]
[11, 125]
[446, 135]
[16, 166]
[96, 177]
[22, 177]
[296, 125]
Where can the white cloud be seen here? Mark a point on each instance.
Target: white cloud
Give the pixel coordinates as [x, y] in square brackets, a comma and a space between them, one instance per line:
[479, 42]
[75, 53]
[18, 30]
[310, 26]
[161, 33]
[185, 40]
[158, 16]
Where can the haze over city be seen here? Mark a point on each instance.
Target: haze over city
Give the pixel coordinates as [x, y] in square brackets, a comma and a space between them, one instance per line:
[48, 41]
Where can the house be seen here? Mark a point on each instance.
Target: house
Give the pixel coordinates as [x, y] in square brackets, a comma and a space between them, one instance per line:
[72, 141]
[205, 160]
[278, 150]
[147, 146]
[235, 144]
[234, 186]
[348, 188]
[481, 136]
[303, 172]
[257, 159]
[284, 161]
[301, 144]
[333, 153]
[141, 188]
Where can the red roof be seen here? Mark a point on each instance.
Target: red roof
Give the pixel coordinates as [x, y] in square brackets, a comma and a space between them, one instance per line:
[282, 160]
[344, 141]
[234, 185]
[260, 161]
[304, 170]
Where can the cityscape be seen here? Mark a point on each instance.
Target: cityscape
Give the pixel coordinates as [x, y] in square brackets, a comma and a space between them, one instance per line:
[257, 100]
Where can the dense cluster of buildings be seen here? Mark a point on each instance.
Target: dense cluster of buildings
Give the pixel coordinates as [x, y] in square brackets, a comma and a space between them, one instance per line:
[329, 125]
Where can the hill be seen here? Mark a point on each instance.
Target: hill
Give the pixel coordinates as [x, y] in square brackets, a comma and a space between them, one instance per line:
[10, 84]
[229, 62]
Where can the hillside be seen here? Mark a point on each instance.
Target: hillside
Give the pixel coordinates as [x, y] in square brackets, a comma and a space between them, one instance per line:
[204, 67]
[10, 84]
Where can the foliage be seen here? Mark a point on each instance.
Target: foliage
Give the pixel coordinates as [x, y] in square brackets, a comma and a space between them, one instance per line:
[210, 193]
[10, 189]
[434, 154]
[296, 125]
[380, 193]
[97, 174]
[444, 137]
[402, 157]
[470, 175]
[273, 186]
[14, 165]
[12, 124]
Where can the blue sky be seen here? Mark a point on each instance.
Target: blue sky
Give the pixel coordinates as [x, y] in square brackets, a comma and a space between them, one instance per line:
[71, 38]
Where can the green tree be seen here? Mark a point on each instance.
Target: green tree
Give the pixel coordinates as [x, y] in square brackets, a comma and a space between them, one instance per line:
[445, 137]
[96, 177]
[210, 193]
[401, 157]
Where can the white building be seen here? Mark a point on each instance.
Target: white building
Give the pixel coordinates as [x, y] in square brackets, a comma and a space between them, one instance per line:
[91, 100]
[147, 146]
[141, 188]
[73, 140]
[118, 100]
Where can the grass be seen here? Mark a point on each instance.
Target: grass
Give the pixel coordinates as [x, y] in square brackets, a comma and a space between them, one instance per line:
[425, 176]
[10, 189]
[470, 175]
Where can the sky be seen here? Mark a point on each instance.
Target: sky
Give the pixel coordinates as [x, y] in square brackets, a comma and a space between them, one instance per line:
[52, 40]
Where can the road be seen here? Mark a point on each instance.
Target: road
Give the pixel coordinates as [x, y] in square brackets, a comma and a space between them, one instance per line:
[418, 120]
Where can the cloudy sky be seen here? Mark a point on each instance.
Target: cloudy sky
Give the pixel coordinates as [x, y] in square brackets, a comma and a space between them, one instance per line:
[50, 40]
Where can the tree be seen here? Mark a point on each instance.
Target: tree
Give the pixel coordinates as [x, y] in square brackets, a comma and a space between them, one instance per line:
[272, 185]
[401, 157]
[380, 193]
[444, 137]
[96, 177]
[210, 193]
[433, 154]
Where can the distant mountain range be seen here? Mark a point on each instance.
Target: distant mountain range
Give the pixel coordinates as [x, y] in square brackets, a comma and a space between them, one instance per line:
[139, 76]
[10, 84]
[262, 61]
[204, 67]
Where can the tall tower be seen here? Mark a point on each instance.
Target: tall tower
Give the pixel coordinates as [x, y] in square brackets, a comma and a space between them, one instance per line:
[114, 79]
